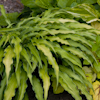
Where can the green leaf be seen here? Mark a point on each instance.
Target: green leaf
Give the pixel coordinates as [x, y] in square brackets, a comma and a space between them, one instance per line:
[2, 87]
[87, 1]
[79, 71]
[58, 39]
[71, 73]
[17, 49]
[11, 16]
[74, 59]
[26, 56]
[72, 92]
[43, 3]
[56, 89]
[75, 38]
[87, 12]
[98, 39]
[37, 88]
[29, 3]
[46, 81]
[82, 47]
[18, 74]
[23, 85]
[77, 52]
[43, 41]
[64, 3]
[35, 53]
[1, 54]
[47, 53]
[3, 39]
[98, 1]
[28, 70]
[26, 96]
[83, 89]
[68, 81]
[9, 54]
[12, 85]
[4, 14]
[50, 57]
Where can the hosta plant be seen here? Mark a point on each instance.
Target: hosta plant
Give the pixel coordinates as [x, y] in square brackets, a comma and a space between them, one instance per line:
[45, 47]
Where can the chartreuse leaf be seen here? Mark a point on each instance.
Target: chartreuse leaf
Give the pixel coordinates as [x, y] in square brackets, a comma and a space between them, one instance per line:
[9, 54]
[12, 85]
[1, 54]
[75, 37]
[79, 71]
[25, 55]
[18, 73]
[68, 81]
[28, 70]
[72, 92]
[51, 59]
[4, 14]
[58, 39]
[77, 52]
[46, 81]
[2, 40]
[96, 92]
[70, 73]
[35, 53]
[2, 87]
[37, 88]
[96, 25]
[74, 59]
[82, 47]
[56, 89]
[90, 13]
[17, 49]
[23, 85]
[42, 41]
[11, 16]
[98, 1]
[83, 89]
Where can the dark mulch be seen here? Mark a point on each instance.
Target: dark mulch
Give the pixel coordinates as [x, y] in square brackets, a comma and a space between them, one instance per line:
[16, 6]
[12, 5]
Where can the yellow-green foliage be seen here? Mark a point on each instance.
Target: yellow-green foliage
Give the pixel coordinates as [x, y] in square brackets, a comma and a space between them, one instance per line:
[54, 46]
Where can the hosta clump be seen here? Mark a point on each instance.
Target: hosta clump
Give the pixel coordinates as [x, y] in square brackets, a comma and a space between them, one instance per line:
[55, 46]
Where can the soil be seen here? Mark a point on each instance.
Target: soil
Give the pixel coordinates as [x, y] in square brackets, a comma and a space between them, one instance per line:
[16, 6]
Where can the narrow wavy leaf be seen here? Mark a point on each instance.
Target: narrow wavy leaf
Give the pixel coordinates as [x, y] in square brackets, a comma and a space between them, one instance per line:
[83, 89]
[23, 85]
[1, 54]
[77, 52]
[26, 56]
[46, 81]
[35, 52]
[65, 86]
[9, 54]
[17, 49]
[12, 85]
[37, 88]
[74, 59]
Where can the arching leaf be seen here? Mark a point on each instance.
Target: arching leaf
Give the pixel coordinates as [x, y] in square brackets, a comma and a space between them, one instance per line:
[46, 81]
[9, 54]
[37, 88]
[10, 90]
